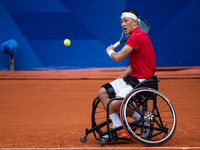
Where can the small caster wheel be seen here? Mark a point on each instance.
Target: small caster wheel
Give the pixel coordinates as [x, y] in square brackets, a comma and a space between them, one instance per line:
[83, 139]
[102, 142]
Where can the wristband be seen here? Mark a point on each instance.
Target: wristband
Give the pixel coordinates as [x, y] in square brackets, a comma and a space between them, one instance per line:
[110, 52]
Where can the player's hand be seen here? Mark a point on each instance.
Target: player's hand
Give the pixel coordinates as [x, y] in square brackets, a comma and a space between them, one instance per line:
[111, 47]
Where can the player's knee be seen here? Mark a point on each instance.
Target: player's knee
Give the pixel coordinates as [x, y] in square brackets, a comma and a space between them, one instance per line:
[115, 105]
[102, 92]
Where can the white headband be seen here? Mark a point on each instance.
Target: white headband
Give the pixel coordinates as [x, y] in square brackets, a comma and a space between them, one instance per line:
[130, 15]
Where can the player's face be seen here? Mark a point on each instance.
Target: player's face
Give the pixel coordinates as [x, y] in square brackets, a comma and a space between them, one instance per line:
[128, 25]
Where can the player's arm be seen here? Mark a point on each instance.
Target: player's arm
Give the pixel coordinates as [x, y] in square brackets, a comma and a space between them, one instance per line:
[126, 72]
[118, 56]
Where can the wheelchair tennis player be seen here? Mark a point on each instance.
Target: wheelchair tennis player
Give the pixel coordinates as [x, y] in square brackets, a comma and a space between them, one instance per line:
[140, 51]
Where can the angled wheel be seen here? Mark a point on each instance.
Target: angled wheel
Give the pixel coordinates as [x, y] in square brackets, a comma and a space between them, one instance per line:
[158, 119]
[99, 117]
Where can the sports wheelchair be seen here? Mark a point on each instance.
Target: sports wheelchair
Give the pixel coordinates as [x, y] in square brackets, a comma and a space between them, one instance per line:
[154, 108]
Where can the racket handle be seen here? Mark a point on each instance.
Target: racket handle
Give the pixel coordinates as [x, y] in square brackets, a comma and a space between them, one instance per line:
[116, 44]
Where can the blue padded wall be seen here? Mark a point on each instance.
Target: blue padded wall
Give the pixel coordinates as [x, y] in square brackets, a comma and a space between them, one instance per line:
[40, 27]
[174, 30]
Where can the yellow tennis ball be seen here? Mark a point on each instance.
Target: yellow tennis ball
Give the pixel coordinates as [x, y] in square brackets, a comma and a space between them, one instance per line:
[67, 42]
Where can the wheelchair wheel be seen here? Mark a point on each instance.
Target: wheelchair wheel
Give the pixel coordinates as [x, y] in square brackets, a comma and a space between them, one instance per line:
[99, 117]
[158, 119]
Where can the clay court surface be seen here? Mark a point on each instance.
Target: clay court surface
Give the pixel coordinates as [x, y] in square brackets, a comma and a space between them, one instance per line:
[51, 109]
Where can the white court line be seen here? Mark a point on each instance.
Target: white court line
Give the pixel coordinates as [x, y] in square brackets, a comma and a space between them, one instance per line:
[99, 148]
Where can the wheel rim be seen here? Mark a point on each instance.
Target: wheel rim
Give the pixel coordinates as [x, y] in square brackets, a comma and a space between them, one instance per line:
[164, 109]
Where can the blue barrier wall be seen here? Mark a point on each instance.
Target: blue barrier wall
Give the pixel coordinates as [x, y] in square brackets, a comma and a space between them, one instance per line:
[40, 27]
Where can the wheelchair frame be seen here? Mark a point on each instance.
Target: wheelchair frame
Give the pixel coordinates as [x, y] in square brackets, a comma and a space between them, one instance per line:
[135, 136]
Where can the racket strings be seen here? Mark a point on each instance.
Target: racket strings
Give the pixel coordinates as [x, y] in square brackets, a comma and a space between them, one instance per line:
[144, 26]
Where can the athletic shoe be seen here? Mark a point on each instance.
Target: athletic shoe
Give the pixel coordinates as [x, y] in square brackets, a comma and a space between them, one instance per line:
[113, 137]
[146, 131]
[122, 134]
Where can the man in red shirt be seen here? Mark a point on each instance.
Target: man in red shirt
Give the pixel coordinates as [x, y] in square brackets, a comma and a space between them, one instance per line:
[142, 66]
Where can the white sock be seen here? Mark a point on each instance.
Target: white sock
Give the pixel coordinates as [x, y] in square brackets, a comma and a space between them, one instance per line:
[115, 120]
[136, 115]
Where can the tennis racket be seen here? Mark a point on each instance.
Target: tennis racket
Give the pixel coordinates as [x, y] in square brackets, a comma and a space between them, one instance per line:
[122, 39]
[144, 26]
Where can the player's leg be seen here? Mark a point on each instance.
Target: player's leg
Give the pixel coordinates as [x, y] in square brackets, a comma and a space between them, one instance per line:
[107, 92]
[105, 95]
